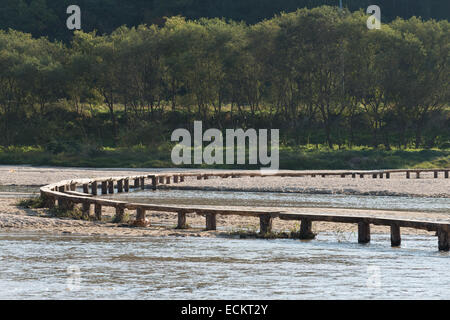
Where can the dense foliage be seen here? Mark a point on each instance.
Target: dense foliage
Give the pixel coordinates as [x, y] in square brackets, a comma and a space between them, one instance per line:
[47, 17]
[317, 74]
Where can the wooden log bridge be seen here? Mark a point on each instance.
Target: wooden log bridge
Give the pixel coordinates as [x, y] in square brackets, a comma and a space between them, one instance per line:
[65, 194]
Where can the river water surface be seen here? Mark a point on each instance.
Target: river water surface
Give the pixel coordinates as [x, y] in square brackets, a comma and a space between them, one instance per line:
[34, 266]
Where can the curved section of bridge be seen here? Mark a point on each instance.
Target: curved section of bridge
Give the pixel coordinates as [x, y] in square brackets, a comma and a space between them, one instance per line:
[65, 194]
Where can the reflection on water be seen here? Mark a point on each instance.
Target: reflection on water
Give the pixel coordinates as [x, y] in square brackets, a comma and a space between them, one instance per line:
[276, 199]
[36, 267]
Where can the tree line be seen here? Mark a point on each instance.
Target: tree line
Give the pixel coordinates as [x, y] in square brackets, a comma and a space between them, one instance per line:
[48, 18]
[319, 75]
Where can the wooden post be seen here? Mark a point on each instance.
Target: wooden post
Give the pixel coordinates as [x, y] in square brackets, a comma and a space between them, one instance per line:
[161, 179]
[73, 187]
[388, 175]
[210, 221]
[104, 187]
[205, 177]
[140, 218]
[154, 182]
[417, 174]
[374, 176]
[136, 183]
[142, 183]
[353, 175]
[199, 177]
[446, 174]
[119, 214]
[48, 200]
[86, 209]
[363, 232]
[265, 224]
[94, 188]
[361, 175]
[306, 230]
[167, 180]
[181, 220]
[98, 211]
[181, 178]
[85, 188]
[381, 175]
[443, 243]
[175, 179]
[435, 174]
[120, 185]
[111, 186]
[323, 176]
[407, 175]
[126, 186]
[395, 236]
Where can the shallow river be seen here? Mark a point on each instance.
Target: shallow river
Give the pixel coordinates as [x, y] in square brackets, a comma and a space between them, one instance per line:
[43, 266]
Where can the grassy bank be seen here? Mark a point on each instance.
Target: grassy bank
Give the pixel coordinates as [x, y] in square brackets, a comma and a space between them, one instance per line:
[294, 158]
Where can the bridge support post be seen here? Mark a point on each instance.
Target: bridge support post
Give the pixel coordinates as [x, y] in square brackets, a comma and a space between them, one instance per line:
[49, 202]
[104, 187]
[181, 178]
[167, 180]
[265, 224]
[111, 186]
[175, 179]
[407, 175]
[154, 182]
[161, 179]
[140, 218]
[136, 183]
[98, 211]
[446, 174]
[126, 185]
[395, 236]
[85, 188]
[142, 180]
[181, 220]
[120, 186]
[435, 174]
[443, 241]
[94, 188]
[86, 209]
[388, 175]
[417, 175]
[119, 214]
[306, 230]
[363, 232]
[211, 221]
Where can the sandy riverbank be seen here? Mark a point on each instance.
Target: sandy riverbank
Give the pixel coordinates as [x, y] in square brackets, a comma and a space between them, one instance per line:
[162, 224]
